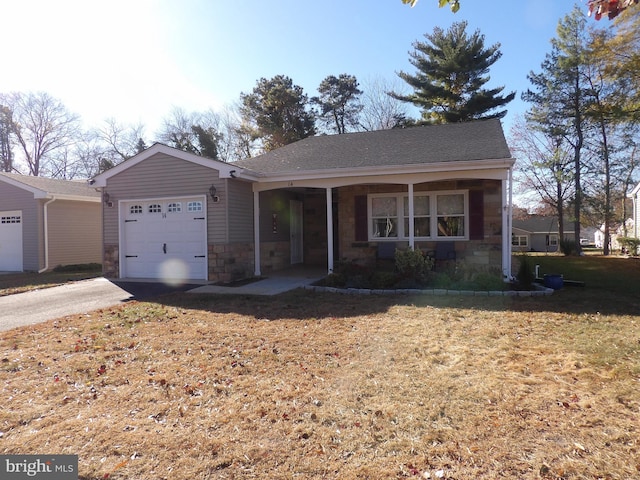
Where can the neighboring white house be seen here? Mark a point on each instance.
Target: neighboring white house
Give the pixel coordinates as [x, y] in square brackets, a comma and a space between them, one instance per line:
[614, 234]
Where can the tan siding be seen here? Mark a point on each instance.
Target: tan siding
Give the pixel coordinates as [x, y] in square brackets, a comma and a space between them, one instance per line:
[240, 207]
[13, 198]
[166, 176]
[75, 233]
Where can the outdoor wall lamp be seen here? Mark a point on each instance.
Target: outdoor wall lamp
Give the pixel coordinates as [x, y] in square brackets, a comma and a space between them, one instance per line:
[212, 192]
[106, 198]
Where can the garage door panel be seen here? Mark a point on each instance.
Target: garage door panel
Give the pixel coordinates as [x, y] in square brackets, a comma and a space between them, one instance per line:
[11, 241]
[163, 240]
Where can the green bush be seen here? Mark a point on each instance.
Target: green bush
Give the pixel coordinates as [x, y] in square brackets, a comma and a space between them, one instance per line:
[630, 243]
[413, 265]
[525, 275]
[381, 279]
[489, 281]
[568, 247]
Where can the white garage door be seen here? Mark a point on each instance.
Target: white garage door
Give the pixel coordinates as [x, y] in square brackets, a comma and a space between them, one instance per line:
[164, 239]
[11, 241]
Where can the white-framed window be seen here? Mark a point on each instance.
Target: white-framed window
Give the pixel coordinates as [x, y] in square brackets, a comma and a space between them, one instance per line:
[155, 208]
[553, 240]
[195, 206]
[435, 215]
[520, 240]
[451, 212]
[174, 207]
[135, 209]
[384, 216]
[421, 216]
[11, 219]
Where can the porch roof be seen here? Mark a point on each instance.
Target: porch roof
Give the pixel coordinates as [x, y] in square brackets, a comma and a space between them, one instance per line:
[467, 142]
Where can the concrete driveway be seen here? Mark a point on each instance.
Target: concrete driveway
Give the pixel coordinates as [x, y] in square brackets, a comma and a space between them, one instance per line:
[73, 298]
[88, 295]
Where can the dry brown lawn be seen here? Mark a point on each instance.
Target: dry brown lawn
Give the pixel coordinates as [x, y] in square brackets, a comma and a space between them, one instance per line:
[315, 385]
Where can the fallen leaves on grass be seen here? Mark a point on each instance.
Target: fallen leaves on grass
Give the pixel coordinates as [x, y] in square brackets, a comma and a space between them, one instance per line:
[337, 387]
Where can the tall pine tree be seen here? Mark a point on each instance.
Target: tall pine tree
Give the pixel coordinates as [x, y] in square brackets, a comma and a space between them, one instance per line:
[277, 112]
[452, 71]
[559, 96]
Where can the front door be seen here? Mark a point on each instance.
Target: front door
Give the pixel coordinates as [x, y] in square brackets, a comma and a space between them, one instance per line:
[295, 231]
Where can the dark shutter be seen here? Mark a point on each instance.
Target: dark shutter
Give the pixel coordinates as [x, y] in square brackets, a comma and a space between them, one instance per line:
[360, 213]
[476, 215]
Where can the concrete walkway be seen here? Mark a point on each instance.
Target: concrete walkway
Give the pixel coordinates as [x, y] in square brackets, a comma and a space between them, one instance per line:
[274, 284]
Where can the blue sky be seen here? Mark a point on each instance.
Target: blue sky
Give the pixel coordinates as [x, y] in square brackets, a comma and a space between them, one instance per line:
[134, 60]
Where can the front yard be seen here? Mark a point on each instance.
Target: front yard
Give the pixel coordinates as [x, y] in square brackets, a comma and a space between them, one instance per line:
[318, 385]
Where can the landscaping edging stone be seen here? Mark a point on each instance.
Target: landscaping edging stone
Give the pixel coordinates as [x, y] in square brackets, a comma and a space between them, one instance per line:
[539, 292]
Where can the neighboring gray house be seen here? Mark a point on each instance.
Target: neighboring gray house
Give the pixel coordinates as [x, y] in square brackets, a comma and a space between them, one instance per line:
[45, 223]
[539, 233]
[171, 215]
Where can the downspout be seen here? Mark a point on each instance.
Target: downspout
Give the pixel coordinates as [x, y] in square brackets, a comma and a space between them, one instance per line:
[45, 220]
[507, 210]
[509, 232]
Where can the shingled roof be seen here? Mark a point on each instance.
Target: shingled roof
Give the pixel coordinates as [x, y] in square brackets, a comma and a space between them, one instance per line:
[468, 141]
[541, 224]
[50, 186]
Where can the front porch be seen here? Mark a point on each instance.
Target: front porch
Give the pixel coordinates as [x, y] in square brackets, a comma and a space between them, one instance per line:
[346, 215]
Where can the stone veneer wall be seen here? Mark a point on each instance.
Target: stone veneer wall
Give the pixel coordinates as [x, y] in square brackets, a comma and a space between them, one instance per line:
[480, 254]
[274, 256]
[228, 263]
[111, 261]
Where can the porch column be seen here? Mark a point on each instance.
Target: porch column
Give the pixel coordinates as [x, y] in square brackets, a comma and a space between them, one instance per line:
[329, 230]
[411, 221]
[256, 234]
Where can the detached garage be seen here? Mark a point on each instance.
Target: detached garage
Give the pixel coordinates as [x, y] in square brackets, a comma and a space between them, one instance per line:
[45, 223]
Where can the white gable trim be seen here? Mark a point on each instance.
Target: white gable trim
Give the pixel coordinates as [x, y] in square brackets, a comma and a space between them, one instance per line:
[226, 170]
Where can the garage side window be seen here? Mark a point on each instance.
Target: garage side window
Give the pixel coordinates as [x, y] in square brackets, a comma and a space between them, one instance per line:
[135, 209]
[11, 219]
[155, 208]
[174, 207]
[194, 206]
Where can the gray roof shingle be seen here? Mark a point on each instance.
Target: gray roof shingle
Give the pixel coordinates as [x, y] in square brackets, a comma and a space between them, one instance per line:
[77, 188]
[478, 140]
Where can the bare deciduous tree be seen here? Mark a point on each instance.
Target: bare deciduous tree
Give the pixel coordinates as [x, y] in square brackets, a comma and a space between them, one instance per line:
[43, 127]
[380, 110]
[121, 141]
